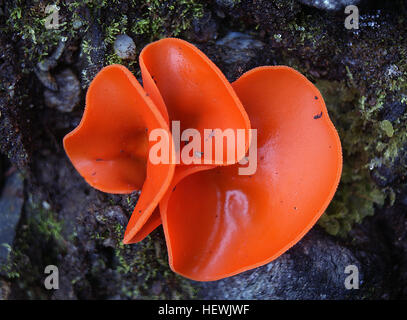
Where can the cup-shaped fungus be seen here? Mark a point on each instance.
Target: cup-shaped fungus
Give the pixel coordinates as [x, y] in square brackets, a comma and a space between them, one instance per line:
[218, 219]
[181, 85]
[110, 146]
[246, 221]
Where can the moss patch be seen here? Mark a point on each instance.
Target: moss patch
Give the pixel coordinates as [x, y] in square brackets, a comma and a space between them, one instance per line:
[39, 243]
[144, 268]
[368, 142]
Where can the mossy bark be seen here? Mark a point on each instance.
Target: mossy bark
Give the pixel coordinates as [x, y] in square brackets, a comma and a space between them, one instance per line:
[362, 75]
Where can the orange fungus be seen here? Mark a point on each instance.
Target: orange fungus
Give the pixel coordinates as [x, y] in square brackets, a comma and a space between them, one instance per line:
[247, 221]
[217, 221]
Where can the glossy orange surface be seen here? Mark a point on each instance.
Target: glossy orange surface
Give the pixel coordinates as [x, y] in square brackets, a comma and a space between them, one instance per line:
[187, 87]
[218, 223]
[110, 146]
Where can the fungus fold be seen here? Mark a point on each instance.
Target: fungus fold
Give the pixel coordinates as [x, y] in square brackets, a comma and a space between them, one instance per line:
[217, 222]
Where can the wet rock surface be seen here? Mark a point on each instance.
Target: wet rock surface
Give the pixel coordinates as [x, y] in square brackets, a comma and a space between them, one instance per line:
[125, 47]
[330, 4]
[4, 290]
[239, 47]
[11, 204]
[63, 221]
[313, 269]
[66, 98]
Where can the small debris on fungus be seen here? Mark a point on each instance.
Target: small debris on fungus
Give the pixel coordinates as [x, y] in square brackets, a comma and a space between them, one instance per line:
[318, 116]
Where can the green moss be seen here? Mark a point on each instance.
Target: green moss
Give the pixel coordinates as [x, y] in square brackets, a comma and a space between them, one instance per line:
[154, 20]
[27, 20]
[387, 127]
[113, 58]
[358, 102]
[147, 263]
[39, 242]
[367, 142]
[47, 224]
[115, 28]
[163, 19]
[9, 268]
[144, 21]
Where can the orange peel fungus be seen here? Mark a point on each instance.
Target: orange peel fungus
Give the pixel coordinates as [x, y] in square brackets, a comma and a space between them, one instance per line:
[217, 222]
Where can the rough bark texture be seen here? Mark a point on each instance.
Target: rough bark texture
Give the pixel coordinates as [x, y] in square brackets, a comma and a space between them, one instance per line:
[49, 215]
